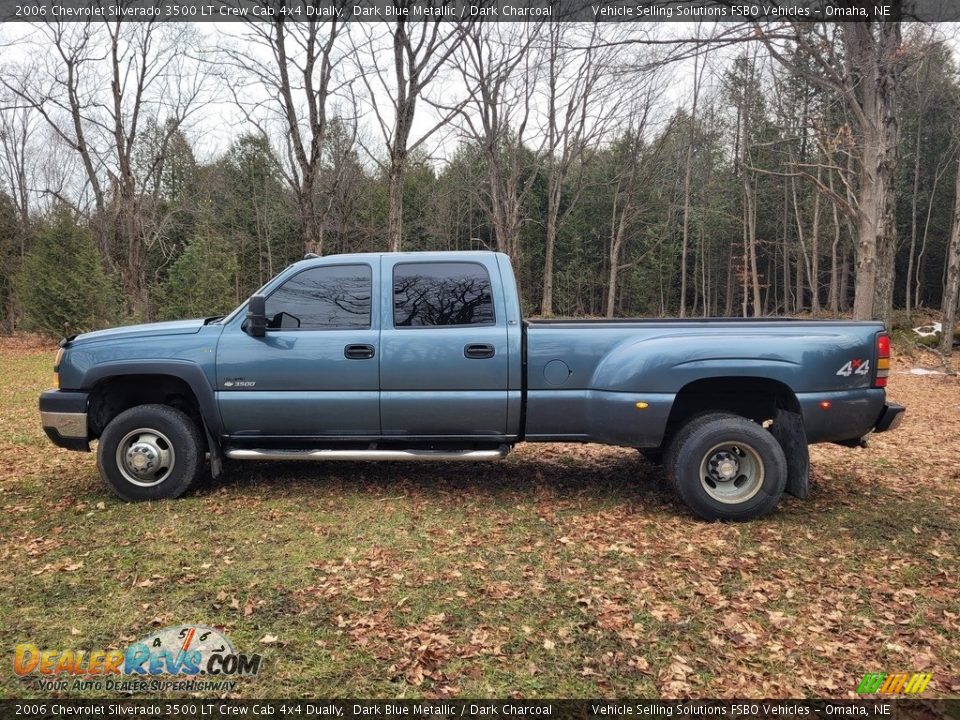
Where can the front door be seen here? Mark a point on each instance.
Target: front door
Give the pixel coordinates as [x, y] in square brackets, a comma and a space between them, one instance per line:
[315, 373]
[443, 365]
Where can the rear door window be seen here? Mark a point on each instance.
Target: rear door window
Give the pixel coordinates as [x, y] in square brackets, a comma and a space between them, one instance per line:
[442, 294]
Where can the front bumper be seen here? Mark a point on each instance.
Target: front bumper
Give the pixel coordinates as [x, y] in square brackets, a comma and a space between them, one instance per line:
[63, 415]
[890, 418]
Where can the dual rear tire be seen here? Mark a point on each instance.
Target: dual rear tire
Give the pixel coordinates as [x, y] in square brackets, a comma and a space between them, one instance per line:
[726, 467]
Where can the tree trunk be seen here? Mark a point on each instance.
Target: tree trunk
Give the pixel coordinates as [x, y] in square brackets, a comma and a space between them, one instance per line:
[312, 242]
[614, 271]
[686, 226]
[845, 282]
[913, 214]
[728, 298]
[815, 254]
[952, 285]
[754, 272]
[395, 219]
[926, 234]
[800, 305]
[704, 279]
[868, 229]
[553, 213]
[876, 245]
[834, 298]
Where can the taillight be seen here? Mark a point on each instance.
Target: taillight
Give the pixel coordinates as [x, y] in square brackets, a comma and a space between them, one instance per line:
[883, 360]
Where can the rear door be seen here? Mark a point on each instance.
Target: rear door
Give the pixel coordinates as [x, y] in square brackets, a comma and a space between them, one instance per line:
[315, 373]
[444, 352]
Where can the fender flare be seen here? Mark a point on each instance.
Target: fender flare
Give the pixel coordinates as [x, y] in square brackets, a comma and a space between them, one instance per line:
[190, 373]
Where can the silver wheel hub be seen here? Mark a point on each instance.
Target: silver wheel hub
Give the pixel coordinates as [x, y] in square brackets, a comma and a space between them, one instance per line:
[724, 466]
[145, 457]
[142, 457]
[731, 472]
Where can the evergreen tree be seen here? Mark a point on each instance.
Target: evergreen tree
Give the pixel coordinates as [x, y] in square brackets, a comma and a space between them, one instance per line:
[10, 245]
[202, 281]
[61, 283]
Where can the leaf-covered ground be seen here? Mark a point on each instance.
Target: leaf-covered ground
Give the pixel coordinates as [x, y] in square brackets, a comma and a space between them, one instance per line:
[566, 571]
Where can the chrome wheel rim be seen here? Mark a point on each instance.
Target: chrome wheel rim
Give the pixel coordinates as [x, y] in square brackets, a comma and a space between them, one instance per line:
[145, 457]
[731, 472]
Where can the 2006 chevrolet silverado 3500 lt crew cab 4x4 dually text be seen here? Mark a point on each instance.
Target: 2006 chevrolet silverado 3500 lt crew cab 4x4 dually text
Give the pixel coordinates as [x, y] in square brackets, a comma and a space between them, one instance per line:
[425, 356]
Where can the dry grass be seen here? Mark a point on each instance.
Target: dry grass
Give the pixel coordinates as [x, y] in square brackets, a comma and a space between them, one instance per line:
[566, 571]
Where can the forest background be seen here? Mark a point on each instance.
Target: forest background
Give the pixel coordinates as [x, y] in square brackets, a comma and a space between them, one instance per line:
[161, 170]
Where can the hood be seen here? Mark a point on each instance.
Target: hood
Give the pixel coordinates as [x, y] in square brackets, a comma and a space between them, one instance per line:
[174, 327]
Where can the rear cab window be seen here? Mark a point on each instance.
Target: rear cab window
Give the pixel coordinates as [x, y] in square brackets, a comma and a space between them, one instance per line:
[442, 294]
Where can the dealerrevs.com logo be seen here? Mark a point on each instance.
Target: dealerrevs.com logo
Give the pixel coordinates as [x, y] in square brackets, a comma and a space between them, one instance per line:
[178, 658]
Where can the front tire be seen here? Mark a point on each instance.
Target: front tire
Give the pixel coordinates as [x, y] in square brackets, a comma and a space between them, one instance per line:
[150, 452]
[726, 467]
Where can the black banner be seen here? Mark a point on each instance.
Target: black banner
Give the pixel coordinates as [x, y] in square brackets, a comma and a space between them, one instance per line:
[480, 10]
[191, 709]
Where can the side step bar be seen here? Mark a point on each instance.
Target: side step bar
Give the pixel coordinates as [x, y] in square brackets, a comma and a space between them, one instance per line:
[347, 455]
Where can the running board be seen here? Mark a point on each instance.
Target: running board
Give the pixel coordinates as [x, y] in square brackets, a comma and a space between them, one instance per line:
[347, 455]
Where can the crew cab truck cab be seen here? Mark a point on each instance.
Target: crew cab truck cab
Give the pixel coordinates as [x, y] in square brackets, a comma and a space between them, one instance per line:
[425, 356]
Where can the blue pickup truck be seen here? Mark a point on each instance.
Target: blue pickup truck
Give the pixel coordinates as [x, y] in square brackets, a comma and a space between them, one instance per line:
[425, 356]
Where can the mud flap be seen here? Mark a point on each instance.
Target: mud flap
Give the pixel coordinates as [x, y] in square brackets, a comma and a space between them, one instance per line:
[789, 431]
[216, 455]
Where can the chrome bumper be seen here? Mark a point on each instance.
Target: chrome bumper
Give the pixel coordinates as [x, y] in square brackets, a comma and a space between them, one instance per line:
[68, 425]
[64, 418]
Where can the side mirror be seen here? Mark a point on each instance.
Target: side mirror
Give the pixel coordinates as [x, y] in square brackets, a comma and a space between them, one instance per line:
[257, 316]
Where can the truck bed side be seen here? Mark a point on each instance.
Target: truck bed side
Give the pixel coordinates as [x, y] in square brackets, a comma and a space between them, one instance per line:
[624, 382]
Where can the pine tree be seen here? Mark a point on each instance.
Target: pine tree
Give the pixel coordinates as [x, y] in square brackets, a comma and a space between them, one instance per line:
[61, 284]
[202, 281]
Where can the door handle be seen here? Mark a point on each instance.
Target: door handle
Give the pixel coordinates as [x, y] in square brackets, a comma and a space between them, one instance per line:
[479, 351]
[359, 352]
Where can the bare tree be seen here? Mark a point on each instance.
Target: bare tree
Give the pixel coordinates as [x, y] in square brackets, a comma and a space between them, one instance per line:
[698, 68]
[148, 73]
[744, 90]
[501, 71]
[864, 75]
[420, 51]
[576, 118]
[300, 85]
[59, 97]
[17, 156]
[634, 173]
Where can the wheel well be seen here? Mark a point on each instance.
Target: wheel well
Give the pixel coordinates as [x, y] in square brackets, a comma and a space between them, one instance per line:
[111, 396]
[750, 397]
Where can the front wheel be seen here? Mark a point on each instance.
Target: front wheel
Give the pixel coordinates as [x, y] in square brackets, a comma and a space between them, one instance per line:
[726, 467]
[150, 452]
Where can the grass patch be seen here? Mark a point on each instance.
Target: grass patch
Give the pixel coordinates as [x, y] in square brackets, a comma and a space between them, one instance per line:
[565, 571]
